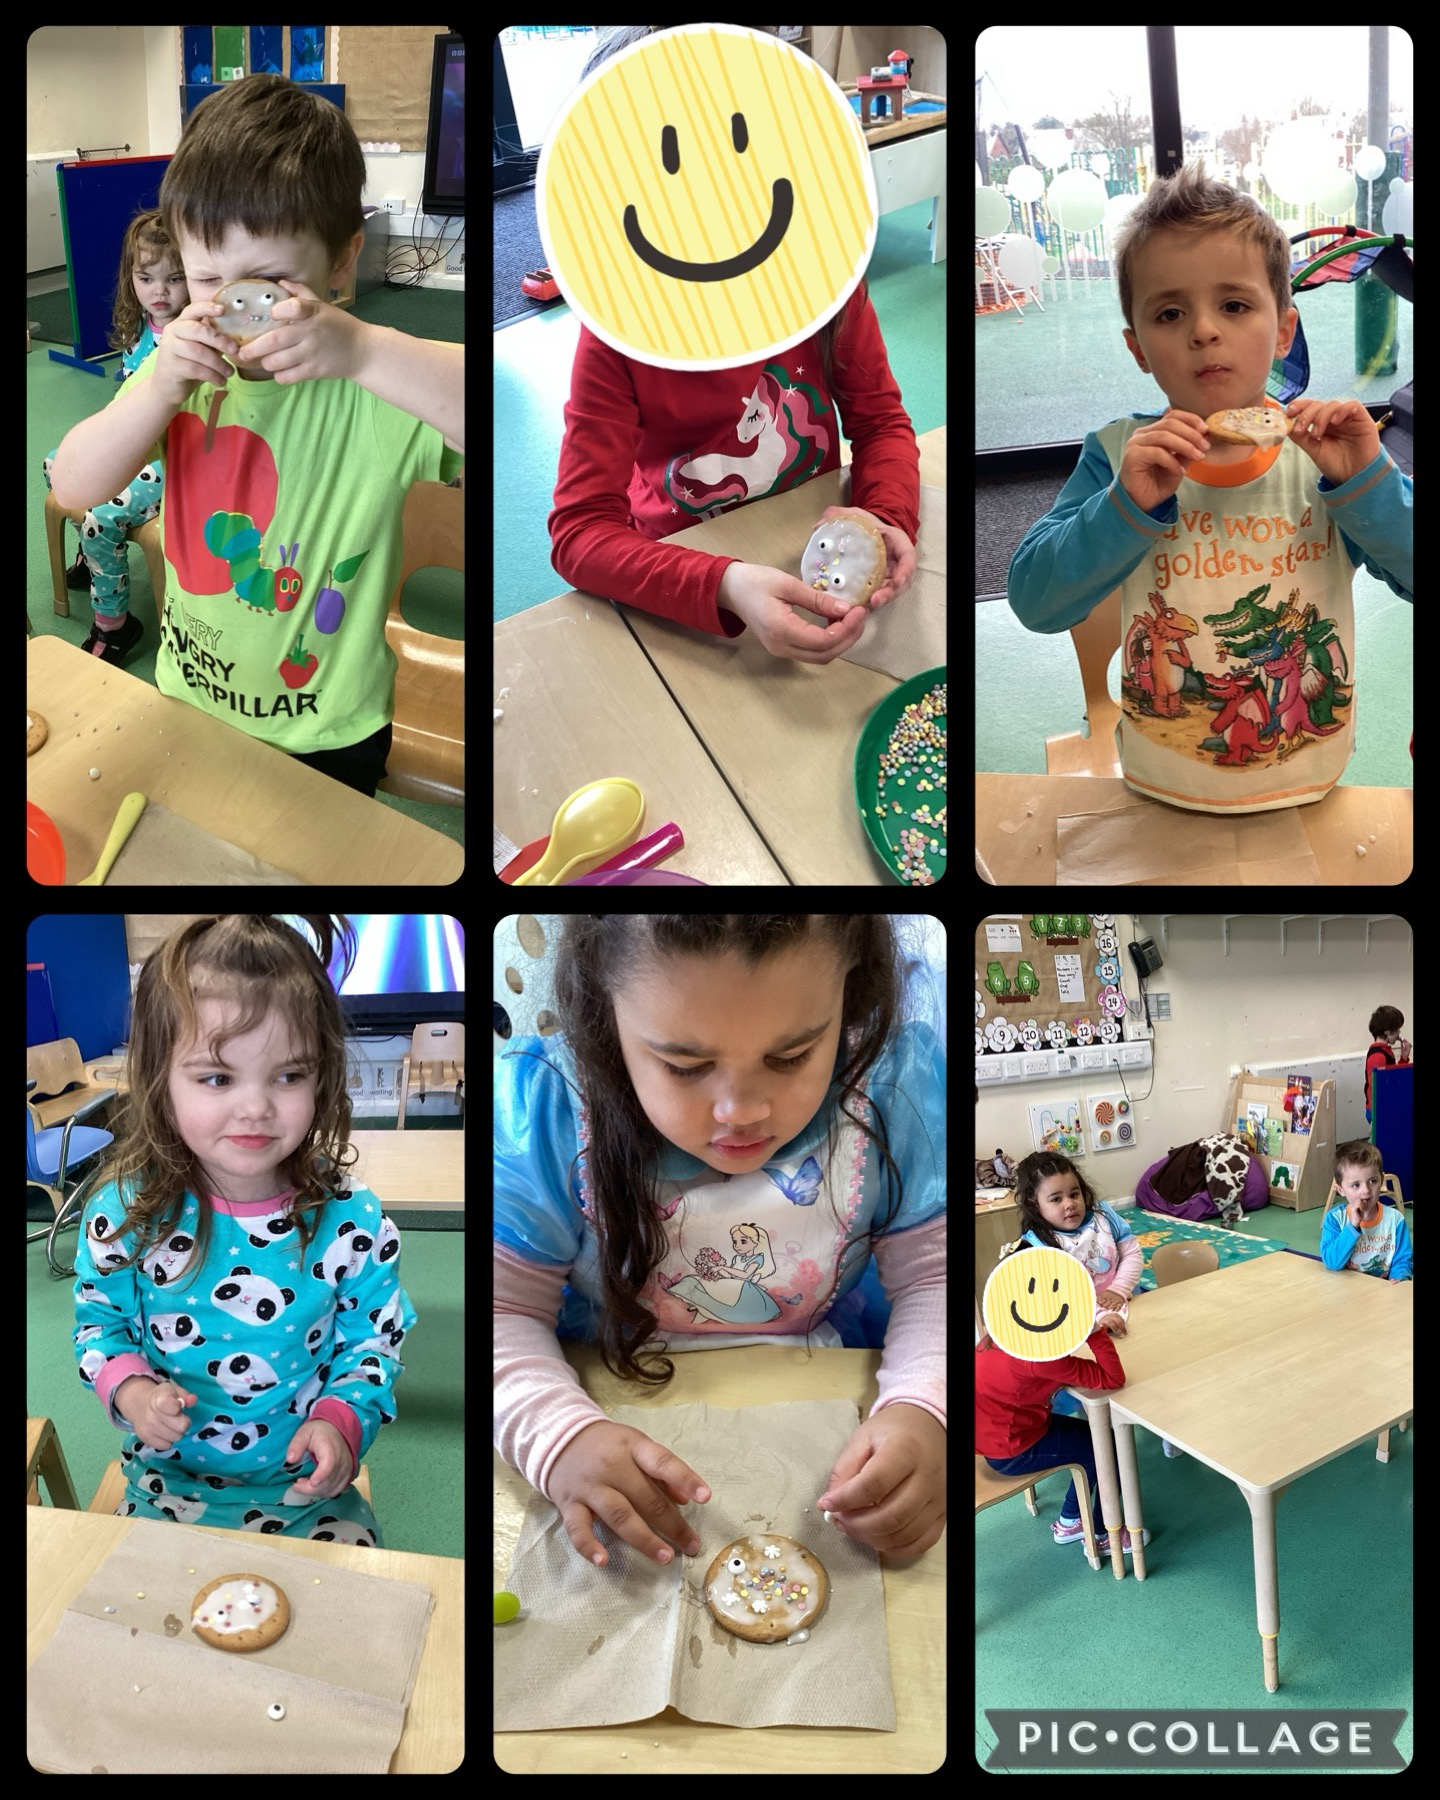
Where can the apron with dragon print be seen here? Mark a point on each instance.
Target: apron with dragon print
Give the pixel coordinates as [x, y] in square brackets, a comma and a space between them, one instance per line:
[1237, 645]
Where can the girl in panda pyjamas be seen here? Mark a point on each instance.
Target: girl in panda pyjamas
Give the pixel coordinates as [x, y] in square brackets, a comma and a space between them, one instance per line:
[151, 291]
[239, 1313]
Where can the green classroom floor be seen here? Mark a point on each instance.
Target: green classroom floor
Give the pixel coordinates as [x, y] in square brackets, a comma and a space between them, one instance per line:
[1052, 1632]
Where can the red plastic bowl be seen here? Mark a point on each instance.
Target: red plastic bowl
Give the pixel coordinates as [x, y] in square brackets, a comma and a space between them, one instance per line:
[44, 852]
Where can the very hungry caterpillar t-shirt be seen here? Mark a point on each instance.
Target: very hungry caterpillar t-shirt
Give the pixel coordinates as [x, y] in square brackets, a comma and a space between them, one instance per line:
[282, 547]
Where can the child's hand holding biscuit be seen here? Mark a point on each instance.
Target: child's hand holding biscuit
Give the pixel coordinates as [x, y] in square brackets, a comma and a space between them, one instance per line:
[309, 340]
[1338, 436]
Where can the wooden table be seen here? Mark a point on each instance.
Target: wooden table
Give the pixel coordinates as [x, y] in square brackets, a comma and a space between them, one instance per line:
[64, 1549]
[237, 788]
[670, 1744]
[413, 1169]
[752, 755]
[1294, 1323]
[1015, 830]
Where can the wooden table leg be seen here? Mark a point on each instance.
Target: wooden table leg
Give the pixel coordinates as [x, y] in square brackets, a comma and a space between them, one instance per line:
[1130, 1491]
[1111, 1511]
[1267, 1582]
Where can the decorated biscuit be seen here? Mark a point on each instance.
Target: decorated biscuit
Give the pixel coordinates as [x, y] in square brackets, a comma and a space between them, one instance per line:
[240, 1612]
[845, 558]
[1263, 425]
[247, 308]
[766, 1588]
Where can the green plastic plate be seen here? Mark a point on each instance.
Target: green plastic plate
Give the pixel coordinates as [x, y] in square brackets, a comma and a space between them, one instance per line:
[884, 829]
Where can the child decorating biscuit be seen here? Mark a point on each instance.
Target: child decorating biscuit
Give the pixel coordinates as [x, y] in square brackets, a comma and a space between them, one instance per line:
[1361, 1233]
[237, 1301]
[283, 497]
[649, 451]
[734, 1116]
[150, 293]
[1233, 548]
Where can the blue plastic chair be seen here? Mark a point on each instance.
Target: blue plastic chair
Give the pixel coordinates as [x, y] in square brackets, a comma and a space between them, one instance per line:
[52, 1154]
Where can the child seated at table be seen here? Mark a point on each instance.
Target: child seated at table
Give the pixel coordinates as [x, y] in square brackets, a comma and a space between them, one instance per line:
[1360, 1233]
[1057, 1206]
[1019, 1432]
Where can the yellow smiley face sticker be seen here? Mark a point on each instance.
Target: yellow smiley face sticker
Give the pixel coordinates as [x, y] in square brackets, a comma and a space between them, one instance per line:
[1039, 1304]
[706, 198]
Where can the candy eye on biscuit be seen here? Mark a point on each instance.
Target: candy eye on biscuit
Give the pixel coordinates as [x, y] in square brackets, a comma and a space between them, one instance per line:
[845, 558]
[246, 308]
[766, 1588]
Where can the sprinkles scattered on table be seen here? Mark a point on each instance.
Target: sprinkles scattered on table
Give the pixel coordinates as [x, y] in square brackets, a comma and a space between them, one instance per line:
[913, 764]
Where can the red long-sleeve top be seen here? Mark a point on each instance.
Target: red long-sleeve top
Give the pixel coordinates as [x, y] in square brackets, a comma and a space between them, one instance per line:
[648, 452]
[1012, 1398]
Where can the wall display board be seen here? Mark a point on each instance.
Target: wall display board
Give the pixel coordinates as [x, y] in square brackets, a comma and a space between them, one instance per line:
[1046, 981]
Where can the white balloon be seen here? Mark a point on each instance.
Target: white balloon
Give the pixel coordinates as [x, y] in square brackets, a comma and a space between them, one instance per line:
[1118, 209]
[1100, 165]
[1398, 214]
[1021, 260]
[1369, 162]
[1026, 182]
[1297, 160]
[992, 212]
[1337, 195]
[1077, 199]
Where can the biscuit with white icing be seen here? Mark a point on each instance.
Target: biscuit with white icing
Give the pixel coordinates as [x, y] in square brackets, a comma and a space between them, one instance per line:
[240, 1612]
[247, 306]
[1262, 425]
[766, 1587]
[845, 558]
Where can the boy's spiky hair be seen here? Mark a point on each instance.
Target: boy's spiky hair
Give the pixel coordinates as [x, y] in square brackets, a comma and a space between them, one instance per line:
[1191, 200]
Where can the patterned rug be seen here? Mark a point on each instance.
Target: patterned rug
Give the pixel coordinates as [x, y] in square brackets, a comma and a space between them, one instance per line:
[1154, 1229]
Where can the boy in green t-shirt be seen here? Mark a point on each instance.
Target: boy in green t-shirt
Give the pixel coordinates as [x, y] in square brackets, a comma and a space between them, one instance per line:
[283, 489]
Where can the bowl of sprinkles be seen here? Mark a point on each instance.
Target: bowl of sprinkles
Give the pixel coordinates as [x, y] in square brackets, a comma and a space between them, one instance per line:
[900, 779]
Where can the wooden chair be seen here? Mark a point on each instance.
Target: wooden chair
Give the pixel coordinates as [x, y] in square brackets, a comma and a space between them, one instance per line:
[55, 1068]
[1390, 1184]
[991, 1487]
[1178, 1262]
[147, 536]
[427, 750]
[436, 1055]
[45, 1460]
[1096, 640]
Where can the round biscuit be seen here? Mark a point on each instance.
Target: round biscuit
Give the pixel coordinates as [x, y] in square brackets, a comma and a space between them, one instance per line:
[756, 1595]
[215, 1620]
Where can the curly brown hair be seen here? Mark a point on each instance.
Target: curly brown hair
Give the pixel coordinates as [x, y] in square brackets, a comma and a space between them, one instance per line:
[145, 241]
[601, 954]
[259, 964]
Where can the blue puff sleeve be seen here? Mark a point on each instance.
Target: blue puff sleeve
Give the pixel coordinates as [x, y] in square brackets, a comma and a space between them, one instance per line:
[536, 1138]
[908, 1084]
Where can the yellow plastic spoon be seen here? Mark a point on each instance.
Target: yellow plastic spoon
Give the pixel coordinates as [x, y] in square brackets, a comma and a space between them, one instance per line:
[131, 808]
[595, 822]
